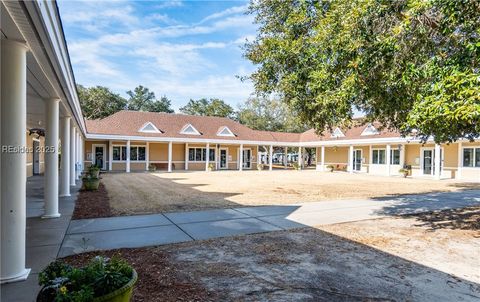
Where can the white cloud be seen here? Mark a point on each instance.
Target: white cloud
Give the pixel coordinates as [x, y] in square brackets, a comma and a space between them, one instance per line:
[229, 11]
[125, 49]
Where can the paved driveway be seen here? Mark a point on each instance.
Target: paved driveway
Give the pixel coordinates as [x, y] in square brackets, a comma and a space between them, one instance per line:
[157, 229]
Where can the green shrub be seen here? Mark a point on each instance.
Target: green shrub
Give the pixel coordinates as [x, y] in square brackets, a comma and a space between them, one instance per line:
[62, 282]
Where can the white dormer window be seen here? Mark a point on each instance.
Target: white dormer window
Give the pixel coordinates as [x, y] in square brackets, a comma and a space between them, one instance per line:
[369, 130]
[149, 128]
[337, 133]
[224, 131]
[189, 130]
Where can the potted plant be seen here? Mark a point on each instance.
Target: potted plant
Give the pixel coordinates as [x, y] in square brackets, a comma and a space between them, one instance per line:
[296, 166]
[330, 168]
[101, 280]
[94, 170]
[152, 168]
[260, 167]
[90, 182]
[405, 171]
[211, 166]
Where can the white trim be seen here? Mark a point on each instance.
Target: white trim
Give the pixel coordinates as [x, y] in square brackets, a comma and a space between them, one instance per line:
[337, 133]
[192, 130]
[365, 142]
[227, 130]
[220, 158]
[474, 157]
[433, 160]
[353, 160]
[369, 130]
[104, 155]
[147, 124]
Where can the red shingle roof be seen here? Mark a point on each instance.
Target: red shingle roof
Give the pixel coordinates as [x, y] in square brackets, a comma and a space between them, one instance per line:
[128, 123]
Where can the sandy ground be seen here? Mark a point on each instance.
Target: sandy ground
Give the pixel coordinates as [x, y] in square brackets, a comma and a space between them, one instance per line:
[137, 193]
[392, 259]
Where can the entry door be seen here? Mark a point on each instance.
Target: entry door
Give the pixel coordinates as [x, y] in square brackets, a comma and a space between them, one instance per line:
[36, 158]
[246, 158]
[357, 160]
[223, 159]
[99, 158]
[428, 162]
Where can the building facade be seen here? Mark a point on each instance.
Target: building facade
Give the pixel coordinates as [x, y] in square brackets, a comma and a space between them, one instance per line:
[136, 141]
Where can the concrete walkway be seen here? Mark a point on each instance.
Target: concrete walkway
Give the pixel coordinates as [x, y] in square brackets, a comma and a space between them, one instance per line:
[149, 230]
[44, 237]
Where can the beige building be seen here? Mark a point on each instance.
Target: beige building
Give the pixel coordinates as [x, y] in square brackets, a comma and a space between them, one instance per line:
[136, 141]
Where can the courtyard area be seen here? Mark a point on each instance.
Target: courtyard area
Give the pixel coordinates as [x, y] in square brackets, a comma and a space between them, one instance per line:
[141, 193]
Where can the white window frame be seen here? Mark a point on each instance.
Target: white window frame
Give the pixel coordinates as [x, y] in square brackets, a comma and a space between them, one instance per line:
[194, 130]
[369, 130]
[104, 154]
[225, 128]
[219, 158]
[399, 156]
[379, 149]
[337, 133]
[155, 129]
[474, 157]
[203, 160]
[251, 158]
[131, 160]
[433, 160]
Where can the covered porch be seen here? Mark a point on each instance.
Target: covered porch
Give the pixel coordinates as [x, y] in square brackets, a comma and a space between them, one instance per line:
[42, 129]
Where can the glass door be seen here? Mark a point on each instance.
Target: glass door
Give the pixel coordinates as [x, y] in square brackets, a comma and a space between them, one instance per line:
[223, 159]
[357, 160]
[427, 162]
[99, 156]
[246, 158]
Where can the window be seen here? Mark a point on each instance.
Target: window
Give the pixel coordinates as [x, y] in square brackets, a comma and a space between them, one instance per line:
[378, 157]
[149, 128]
[189, 130]
[395, 157]
[225, 132]
[369, 130]
[137, 153]
[337, 133]
[471, 157]
[199, 154]
[119, 152]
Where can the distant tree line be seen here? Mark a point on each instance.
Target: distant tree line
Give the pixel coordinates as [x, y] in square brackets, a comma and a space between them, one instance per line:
[269, 114]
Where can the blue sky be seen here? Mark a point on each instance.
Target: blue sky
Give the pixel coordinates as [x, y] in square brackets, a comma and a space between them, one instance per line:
[181, 49]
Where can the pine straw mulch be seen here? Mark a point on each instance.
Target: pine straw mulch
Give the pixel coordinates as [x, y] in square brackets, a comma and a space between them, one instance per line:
[159, 278]
[92, 204]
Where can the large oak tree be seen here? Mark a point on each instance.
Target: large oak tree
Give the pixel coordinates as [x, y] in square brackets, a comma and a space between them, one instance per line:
[410, 64]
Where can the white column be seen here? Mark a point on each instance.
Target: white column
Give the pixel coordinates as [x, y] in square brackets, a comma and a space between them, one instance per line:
[387, 159]
[81, 151]
[51, 159]
[13, 162]
[285, 157]
[402, 156]
[110, 155]
[72, 154]
[217, 165]
[65, 162]
[437, 161]
[300, 158]
[170, 145]
[207, 154]
[147, 156]
[322, 163]
[127, 163]
[186, 156]
[77, 154]
[460, 161]
[240, 158]
[270, 158]
[350, 159]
